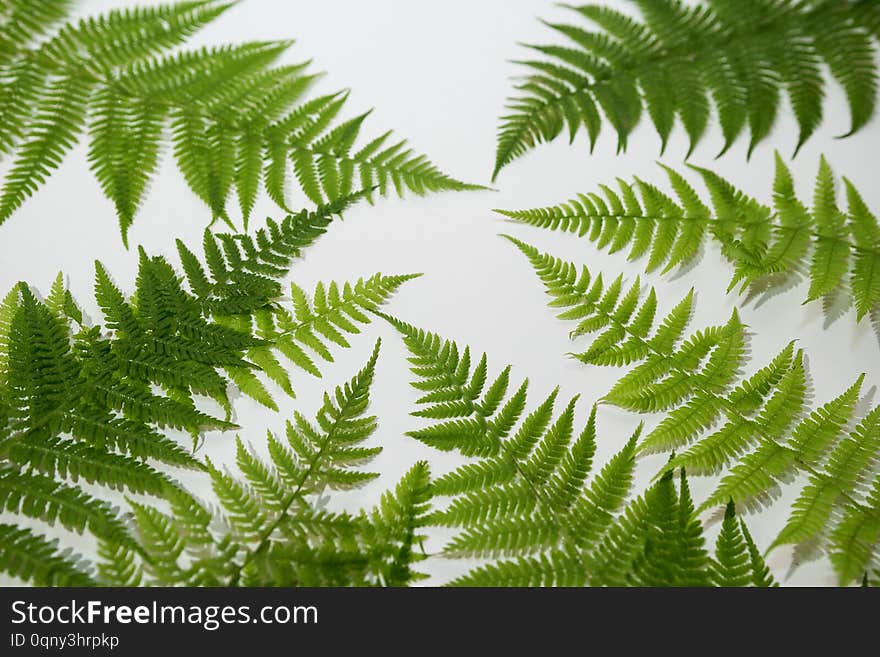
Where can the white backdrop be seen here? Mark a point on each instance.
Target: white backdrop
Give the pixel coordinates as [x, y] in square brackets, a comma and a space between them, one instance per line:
[438, 73]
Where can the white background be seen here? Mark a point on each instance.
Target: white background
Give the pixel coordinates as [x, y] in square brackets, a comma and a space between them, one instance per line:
[438, 73]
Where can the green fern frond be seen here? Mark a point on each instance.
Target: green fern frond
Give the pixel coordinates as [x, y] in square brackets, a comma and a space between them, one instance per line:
[678, 61]
[673, 552]
[855, 539]
[238, 284]
[84, 404]
[758, 430]
[270, 532]
[32, 558]
[658, 541]
[526, 494]
[737, 561]
[237, 121]
[766, 246]
[42, 498]
[525, 502]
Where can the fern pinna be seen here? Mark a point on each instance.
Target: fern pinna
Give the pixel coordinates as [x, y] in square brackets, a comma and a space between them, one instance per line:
[84, 404]
[768, 247]
[236, 121]
[524, 501]
[758, 430]
[269, 530]
[678, 60]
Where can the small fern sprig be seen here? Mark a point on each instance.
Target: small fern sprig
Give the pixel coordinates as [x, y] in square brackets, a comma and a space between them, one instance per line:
[768, 247]
[237, 121]
[525, 501]
[270, 531]
[680, 60]
[757, 431]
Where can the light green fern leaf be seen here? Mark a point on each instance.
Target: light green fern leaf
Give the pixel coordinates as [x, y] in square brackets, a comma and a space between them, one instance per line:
[766, 246]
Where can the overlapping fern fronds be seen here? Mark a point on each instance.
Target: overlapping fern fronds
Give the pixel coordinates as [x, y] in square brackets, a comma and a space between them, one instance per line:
[269, 530]
[759, 431]
[239, 285]
[676, 61]
[82, 407]
[237, 121]
[526, 503]
[96, 405]
[837, 251]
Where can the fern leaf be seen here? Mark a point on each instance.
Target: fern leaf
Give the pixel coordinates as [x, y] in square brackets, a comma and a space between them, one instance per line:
[757, 432]
[30, 557]
[731, 566]
[525, 498]
[767, 247]
[42, 498]
[678, 60]
[270, 531]
[737, 561]
[236, 118]
[854, 541]
[60, 115]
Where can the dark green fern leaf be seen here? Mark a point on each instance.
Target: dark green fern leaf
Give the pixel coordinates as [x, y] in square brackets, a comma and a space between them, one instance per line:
[768, 247]
[658, 541]
[95, 405]
[737, 561]
[679, 60]
[238, 284]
